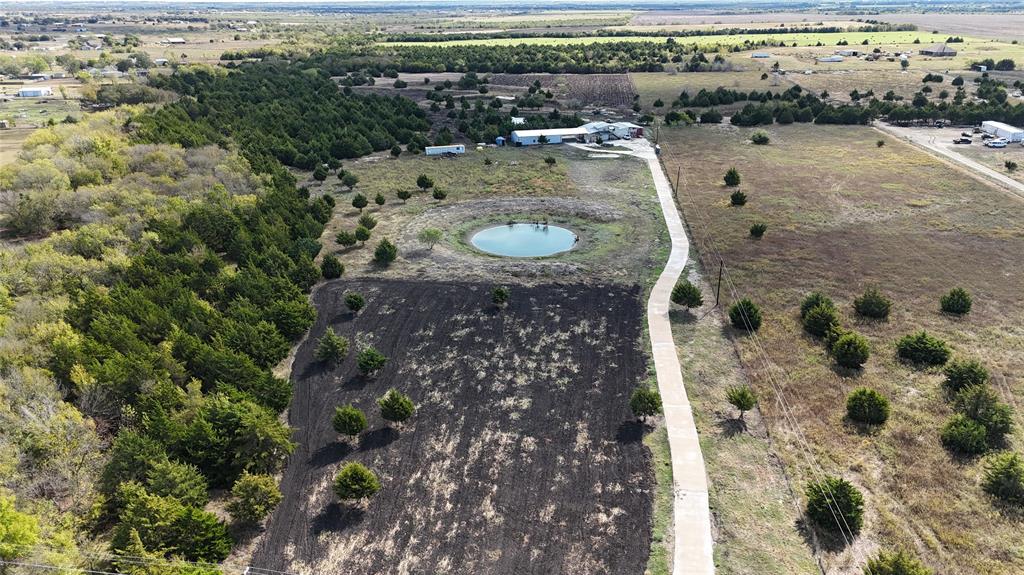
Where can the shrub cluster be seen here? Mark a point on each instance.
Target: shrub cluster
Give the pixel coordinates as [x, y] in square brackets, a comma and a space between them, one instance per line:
[957, 302]
[835, 506]
[745, 315]
[872, 304]
[922, 349]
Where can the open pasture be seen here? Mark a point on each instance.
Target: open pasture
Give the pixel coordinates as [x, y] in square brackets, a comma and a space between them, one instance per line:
[842, 215]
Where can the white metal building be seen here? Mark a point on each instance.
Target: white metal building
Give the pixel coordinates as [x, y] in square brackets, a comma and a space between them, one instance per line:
[35, 92]
[551, 136]
[1001, 130]
[441, 150]
[590, 132]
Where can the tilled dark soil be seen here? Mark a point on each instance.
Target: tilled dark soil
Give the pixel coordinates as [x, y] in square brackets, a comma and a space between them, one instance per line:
[522, 456]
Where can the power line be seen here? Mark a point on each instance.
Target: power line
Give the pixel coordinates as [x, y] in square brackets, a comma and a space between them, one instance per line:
[786, 410]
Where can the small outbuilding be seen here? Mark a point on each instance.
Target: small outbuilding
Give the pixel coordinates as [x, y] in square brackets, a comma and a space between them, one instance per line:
[175, 41]
[1005, 131]
[35, 92]
[827, 59]
[445, 150]
[760, 55]
[939, 51]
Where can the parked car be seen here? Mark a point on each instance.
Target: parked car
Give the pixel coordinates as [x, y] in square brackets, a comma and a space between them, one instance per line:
[963, 141]
[976, 130]
[987, 136]
[999, 143]
[967, 134]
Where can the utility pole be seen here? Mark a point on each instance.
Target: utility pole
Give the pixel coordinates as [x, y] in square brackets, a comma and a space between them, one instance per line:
[678, 168]
[718, 290]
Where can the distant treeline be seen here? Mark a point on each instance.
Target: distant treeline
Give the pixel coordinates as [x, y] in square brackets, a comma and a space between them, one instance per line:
[595, 58]
[513, 34]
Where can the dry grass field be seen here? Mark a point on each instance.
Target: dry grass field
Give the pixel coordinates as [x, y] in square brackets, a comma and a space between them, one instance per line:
[843, 215]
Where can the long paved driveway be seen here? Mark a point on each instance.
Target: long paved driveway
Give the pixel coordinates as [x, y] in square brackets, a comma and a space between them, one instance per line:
[692, 517]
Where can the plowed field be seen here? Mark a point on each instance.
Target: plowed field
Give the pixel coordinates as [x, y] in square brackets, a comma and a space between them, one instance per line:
[522, 456]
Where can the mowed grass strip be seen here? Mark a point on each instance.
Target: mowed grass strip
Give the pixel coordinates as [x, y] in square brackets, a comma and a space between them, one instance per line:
[844, 214]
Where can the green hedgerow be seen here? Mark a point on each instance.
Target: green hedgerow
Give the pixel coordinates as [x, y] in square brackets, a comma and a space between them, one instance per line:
[865, 405]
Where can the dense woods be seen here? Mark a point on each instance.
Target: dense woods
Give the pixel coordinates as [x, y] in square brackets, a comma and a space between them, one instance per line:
[279, 113]
[168, 277]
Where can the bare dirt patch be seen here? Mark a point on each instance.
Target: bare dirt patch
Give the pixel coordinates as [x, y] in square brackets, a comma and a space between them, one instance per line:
[522, 456]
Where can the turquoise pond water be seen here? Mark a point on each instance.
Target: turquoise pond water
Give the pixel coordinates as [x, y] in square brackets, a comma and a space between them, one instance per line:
[524, 240]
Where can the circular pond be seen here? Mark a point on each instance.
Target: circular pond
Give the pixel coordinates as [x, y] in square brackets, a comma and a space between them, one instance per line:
[524, 240]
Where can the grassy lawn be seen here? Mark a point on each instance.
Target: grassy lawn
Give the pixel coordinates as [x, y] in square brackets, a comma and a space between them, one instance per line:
[618, 212]
[843, 215]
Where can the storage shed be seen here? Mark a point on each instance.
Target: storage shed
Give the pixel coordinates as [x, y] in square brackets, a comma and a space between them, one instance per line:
[35, 92]
[442, 150]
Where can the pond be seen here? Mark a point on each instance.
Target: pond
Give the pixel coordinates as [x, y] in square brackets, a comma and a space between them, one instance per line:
[524, 240]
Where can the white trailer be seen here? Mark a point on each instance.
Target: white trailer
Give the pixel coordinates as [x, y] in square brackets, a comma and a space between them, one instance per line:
[442, 150]
[1005, 131]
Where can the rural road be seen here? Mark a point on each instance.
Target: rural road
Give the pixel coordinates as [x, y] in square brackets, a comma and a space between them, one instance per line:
[928, 142]
[692, 517]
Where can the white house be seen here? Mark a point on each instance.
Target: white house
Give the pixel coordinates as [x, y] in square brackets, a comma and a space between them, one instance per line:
[1001, 130]
[36, 92]
[441, 150]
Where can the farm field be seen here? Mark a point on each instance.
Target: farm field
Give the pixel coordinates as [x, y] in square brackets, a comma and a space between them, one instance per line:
[842, 215]
[28, 114]
[667, 86]
[522, 456]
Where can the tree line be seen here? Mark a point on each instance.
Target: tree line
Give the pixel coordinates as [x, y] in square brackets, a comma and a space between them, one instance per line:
[618, 32]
